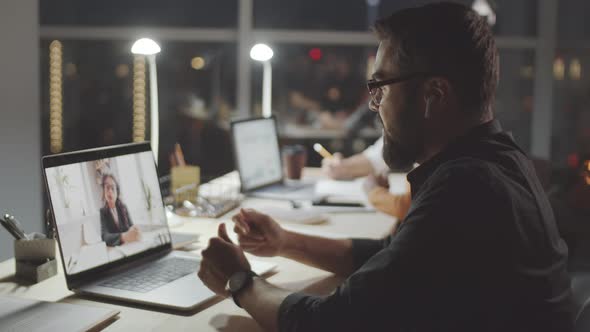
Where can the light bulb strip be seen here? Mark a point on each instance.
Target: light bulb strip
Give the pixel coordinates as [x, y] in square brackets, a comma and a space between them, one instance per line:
[139, 98]
[55, 96]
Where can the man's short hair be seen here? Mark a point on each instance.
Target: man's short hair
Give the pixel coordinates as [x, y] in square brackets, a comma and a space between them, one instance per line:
[450, 40]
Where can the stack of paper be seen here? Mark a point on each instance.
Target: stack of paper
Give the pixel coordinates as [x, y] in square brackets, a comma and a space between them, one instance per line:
[341, 191]
[297, 216]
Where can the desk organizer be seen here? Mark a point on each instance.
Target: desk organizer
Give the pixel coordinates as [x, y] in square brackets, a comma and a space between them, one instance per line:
[35, 259]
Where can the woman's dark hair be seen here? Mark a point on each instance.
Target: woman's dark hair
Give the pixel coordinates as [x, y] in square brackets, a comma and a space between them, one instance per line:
[449, 40]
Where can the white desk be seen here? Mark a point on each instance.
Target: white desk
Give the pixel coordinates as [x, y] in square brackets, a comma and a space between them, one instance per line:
[224, 315]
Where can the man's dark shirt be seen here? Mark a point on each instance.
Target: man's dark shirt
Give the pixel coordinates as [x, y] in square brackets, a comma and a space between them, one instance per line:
[478, 251]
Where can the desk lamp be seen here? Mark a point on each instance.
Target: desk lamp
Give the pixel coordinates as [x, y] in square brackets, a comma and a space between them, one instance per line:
[150, 48]
[263, 53]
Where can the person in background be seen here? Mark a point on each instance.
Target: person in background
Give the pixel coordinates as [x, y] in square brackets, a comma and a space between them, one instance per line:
[324, 94]
[370, 163]
[479, 249]
[116, 225]
[204, 142]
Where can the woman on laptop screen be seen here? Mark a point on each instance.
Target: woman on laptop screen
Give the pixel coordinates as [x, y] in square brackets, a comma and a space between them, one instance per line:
[116, 226]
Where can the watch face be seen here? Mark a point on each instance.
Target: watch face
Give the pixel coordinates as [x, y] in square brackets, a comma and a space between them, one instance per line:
[237, 281]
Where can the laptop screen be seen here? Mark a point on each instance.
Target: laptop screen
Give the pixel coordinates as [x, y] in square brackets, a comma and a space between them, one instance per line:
[106, 209]
[257, 152]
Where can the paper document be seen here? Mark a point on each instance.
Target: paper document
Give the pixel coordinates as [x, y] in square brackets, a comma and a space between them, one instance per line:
[398, 185]
[20, 315]
[341, 191]
[314, 231]
[341, 209]
[297, 216]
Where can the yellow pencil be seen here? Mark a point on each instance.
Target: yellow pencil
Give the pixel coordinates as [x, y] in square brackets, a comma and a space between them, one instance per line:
[322, 151]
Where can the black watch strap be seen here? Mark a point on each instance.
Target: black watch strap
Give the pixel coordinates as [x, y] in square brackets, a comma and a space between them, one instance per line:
[251, 274]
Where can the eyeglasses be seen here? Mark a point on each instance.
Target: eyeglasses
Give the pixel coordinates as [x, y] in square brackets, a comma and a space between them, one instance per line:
[376, 87]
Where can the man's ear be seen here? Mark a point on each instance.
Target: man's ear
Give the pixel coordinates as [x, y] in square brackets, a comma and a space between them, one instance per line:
[436, 94]
[438, 88]
[428, 102]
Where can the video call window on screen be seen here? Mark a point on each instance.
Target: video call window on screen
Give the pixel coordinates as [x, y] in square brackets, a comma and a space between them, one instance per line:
[107, 209]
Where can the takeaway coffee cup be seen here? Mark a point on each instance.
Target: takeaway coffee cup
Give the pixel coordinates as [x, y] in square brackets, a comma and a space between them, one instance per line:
[294, 159]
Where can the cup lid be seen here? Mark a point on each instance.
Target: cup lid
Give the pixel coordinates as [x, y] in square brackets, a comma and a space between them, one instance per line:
[297, 148]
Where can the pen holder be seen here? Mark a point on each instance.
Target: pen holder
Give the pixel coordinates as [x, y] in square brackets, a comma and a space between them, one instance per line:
[35, 259]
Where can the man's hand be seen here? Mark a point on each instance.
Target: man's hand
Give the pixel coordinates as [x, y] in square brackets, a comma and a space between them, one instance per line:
[131, 235]
[373, 181]
[258, 233]
[221, 259]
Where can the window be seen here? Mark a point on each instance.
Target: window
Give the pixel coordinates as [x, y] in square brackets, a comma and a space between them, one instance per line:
[311, 14]
[572, 25]
[316, 83]
[514, 97]
[319, 95]
[312, 79]
[571, 116]
[196, 82]
[570, 140]
[144, 13]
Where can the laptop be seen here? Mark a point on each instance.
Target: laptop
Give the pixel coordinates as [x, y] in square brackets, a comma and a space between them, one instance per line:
[112, 229]
[259, 164]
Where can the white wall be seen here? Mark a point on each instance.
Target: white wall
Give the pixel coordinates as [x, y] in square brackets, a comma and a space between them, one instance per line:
[132, 169]
[20, 127]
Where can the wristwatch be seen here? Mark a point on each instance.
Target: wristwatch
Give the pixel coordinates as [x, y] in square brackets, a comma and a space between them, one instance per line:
[237, 282]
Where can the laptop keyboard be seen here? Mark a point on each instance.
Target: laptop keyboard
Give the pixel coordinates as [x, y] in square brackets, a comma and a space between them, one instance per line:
[154, 275]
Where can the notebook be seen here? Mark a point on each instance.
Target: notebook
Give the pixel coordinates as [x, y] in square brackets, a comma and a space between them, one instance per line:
[23, 315]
